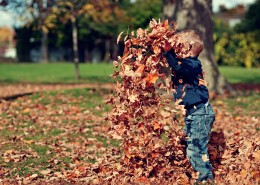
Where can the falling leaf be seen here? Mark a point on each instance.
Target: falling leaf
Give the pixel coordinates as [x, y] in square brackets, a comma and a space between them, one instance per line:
[256, 155]
[140, 70]
[119, 36]
[205, 158]
[151, 78]
[243, 173]
[142, 180]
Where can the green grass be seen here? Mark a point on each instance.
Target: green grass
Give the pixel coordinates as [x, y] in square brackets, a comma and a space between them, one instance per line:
[240, 75]
[92, 73]
[54, 73]
[43, 139]
[243, 105]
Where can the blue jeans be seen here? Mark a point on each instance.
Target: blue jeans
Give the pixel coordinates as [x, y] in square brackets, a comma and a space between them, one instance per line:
[198, 128]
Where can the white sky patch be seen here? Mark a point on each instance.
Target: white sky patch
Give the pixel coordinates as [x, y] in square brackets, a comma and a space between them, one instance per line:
[229, 3]
[6, 19]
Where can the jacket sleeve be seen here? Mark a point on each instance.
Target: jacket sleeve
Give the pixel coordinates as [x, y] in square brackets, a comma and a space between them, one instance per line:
[183, 66]
[172, 60]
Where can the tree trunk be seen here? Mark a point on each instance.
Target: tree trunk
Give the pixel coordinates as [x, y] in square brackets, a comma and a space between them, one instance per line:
[197, 15]
[44, 46]
[75, 47]
[107, 50]
[115, 50]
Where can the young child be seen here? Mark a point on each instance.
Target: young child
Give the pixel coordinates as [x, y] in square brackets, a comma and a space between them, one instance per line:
[191, 92]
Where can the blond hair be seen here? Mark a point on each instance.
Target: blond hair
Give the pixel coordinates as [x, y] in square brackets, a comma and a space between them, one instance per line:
[192, 39]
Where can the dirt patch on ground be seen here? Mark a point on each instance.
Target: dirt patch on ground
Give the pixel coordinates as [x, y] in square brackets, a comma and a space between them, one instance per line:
[9, 91]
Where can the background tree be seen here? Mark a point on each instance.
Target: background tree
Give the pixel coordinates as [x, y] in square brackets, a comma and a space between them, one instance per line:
[68, 11]
[251, 21]
[239, 45]
[107, 18]
[197, 15]
[142, 11]
[87, 17]
[30, 12]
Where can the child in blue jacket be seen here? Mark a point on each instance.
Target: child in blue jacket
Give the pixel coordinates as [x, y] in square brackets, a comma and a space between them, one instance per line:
[190, 91]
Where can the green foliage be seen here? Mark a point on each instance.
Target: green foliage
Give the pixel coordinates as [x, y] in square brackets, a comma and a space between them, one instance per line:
[236, 49]
[142, 11]
[251, 22]
[239, 46]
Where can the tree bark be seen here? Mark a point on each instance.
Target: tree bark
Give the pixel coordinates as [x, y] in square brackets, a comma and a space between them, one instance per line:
[44, 47]
[107, 50]
[75, 47]
[197, 15]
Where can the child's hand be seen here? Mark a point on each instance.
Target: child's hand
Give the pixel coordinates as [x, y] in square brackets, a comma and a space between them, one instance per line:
[180, 107]
[166, 46]
[203, 82]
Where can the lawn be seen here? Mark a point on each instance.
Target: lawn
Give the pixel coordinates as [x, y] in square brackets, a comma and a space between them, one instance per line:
[54, 73]
[91, 73]
[241, 75]
[45, 134]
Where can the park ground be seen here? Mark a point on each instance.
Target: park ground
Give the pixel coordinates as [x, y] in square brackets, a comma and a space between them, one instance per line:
[52, 129]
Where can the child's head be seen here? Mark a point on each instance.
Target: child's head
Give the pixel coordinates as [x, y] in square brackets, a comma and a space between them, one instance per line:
[191, 39]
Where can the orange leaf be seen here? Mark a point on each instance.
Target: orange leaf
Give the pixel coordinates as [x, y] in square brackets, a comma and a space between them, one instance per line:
[151, 78]
[26, 110]
[243, 173]
[155, 155]
[156, 125]
[142, 179]
[166, 24]
[140, 70]
[119, 36]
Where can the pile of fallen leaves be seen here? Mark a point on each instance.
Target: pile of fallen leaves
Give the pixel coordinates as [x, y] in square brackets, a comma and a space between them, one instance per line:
[152, 150]
[142, 116]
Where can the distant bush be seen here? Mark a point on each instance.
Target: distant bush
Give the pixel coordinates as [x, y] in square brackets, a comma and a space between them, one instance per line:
[238, 49]
[239, 46]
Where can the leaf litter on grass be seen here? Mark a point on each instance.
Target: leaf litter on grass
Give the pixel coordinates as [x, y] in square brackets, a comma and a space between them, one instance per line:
[32, 153]
[50, 138]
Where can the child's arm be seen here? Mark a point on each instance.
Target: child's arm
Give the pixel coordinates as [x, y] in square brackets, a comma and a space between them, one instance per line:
[181, 65]
[177, 64]
[173, 62]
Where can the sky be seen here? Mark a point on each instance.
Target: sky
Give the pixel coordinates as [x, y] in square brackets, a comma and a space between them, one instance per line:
[6, 19]
[229, 3]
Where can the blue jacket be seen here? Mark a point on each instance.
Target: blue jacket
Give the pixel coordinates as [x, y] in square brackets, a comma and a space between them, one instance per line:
[185, 75]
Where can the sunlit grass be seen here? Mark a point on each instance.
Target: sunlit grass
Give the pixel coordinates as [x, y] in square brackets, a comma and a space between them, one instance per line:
[240, 75]
[54, 73]
[94, 73]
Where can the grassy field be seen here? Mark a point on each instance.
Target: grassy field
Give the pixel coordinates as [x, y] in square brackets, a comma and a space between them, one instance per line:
[241, 75]
[91, 73]
[54, 73]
